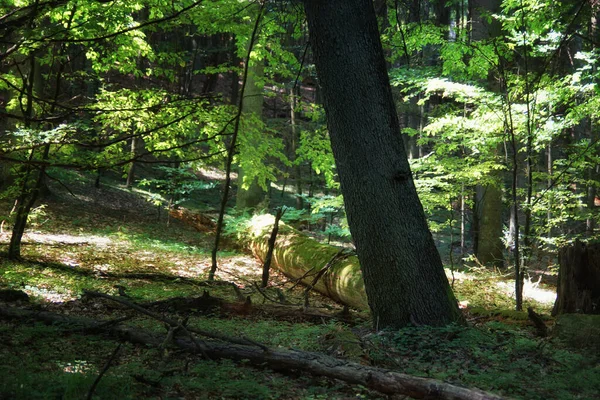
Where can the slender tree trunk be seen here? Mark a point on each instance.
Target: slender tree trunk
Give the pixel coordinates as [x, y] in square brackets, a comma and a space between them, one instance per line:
[24, 204]
[463, 218]
[131, 171]
[489, 199]
[30, 185]
[231, 150]
[33, 181]
[294, 142]
[549, 170]
[404, 277]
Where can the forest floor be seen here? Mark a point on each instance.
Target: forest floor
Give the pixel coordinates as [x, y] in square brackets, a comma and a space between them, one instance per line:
[113, 239]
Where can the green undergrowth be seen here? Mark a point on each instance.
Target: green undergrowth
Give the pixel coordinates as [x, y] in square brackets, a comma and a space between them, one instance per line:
[91, 244]
[492, 356]
[63, 365]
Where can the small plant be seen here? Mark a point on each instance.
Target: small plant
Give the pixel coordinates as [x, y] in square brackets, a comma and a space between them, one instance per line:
[174, 187]
[38, 216]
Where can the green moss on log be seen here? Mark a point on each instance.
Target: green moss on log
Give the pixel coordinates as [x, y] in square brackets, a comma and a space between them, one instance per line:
[296, 254]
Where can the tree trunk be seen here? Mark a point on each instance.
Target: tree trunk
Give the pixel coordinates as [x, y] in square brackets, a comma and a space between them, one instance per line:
[251, 194]
[131, 171]
[403, 273]
[489, 242]
[578, 279]
[294, 148]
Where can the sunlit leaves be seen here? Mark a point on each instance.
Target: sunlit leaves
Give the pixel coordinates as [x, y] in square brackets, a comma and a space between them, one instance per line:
[315, 148]
[260, 146]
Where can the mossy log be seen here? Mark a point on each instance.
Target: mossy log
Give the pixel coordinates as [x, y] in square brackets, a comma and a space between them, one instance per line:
[301, 257]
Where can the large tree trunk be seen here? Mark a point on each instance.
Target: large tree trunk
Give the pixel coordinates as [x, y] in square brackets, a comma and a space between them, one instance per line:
[403, 273]
[382, 380]
[578, 279]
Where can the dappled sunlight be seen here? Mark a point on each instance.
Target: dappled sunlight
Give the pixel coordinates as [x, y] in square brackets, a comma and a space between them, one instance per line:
[261, 223]
[53, 239]
[241, 269]
[505, 285]
[531, 290]
[76, 367]
[213, 173]
[48, 295]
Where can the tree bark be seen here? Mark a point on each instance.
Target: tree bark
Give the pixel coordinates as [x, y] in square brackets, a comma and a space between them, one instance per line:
[578, 288]
[489, 242]
[403, 273]
[384, 381]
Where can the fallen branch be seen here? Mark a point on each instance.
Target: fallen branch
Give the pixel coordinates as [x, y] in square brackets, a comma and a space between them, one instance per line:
[384, 381]
[101, 374]
[174, 323]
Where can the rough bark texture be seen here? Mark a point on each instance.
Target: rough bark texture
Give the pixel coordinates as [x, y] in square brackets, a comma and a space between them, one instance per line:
[489, 247]
[384, 381]
[299, 256]
[578, 279]
[403, 273]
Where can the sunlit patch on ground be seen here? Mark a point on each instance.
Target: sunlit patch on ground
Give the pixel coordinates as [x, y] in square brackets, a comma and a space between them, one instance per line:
[531, 290]
[48, 295]
[51, 238]
[76, 367]
[212, 173]
[238, 268]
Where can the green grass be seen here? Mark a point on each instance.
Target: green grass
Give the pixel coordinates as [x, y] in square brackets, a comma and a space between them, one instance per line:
[494, 356]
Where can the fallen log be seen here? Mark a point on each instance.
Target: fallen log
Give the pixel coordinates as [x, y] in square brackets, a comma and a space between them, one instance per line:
[384, 381]
[198, 221]
[301, 257]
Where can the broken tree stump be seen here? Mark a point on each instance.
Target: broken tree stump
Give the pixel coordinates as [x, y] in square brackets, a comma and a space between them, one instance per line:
[578, 288]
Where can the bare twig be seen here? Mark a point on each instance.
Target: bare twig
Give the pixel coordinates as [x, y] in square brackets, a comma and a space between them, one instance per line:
[112, 358]
[299, 280]
[269, 298]
[271, 247]
[339, 255]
